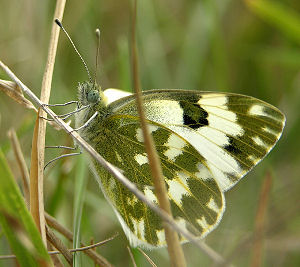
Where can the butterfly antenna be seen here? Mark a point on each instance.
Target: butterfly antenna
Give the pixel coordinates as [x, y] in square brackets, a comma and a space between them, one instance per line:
[76, 50]
[97, 53]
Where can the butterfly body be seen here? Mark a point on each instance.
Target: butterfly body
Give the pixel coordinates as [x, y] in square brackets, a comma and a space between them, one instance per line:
[206, 142]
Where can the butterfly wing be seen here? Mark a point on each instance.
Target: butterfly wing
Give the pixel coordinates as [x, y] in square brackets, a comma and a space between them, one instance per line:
[197, 202]
[231, 132]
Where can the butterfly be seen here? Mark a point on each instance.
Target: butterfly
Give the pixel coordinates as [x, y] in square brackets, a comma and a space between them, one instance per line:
[206, 142]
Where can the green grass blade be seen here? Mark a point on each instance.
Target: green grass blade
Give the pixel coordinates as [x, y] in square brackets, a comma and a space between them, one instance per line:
[79, 194]
[17, 223]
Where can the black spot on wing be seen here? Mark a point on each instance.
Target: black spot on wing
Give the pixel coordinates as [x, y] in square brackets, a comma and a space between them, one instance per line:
[187, 120]
[194, 116]
[233, 146]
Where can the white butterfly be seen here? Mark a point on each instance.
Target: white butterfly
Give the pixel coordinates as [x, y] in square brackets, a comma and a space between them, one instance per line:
[206, 142]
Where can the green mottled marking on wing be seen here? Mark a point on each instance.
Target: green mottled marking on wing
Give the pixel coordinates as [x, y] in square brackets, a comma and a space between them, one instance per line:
[196, 199]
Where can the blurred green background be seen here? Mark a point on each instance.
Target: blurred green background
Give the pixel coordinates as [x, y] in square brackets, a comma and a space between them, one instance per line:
[249, 47]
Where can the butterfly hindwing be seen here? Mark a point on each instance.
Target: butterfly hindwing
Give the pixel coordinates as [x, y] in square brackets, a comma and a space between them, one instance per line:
[231, 132]
[196, 199]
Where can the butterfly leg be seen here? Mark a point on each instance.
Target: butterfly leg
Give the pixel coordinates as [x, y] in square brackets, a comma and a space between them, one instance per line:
[87, 122]
[64, 104]
[65, 147]
[67, 115]
[62, 156]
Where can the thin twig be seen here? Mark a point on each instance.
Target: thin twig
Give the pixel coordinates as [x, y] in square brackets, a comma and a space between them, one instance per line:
[115, 172]
[147, 258]
[14, 92]
[38, 143]
[176, 254]
[131, 256]
[55, 258]
[98, 244]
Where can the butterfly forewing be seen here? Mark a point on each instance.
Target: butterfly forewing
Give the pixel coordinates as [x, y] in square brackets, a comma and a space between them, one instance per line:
[196, 199]
[231, 132]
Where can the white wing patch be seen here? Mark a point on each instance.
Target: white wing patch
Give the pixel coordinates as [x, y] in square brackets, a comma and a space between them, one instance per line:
[221, 112]
[164, 111]
[213, 206]
[139, 228]
[203, 223]
[252, 158]
[220, 138]
[139, 133]
[268, 130]
[203, 173]
[257, 110]
[227, 125]
[161, 236]
[176, 191]
[182, 177]
[220, 177]
[141, 159]
[112, 94]
[175, 145]
[150, 195]
[213, 99]
[257, 140]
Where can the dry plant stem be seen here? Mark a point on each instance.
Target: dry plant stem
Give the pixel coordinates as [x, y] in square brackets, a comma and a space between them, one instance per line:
[131, 257]
[14, 92]
[35, 203]
[260, 221]
[38, 144]
[98, 259]
[56, 242]
[21, 162]
[114, 171]
[55, 257]
[52, 222]
[92, 246]
[147, 258]
[176, 254]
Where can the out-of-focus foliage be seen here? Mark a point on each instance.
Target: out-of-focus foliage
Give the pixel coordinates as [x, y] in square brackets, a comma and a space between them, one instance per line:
[249, 47]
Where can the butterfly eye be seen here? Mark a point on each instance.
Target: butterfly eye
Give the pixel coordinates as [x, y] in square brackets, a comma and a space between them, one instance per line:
[93, 96]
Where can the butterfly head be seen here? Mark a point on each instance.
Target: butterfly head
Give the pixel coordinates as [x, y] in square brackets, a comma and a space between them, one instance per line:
[89, 93]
